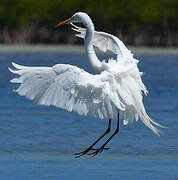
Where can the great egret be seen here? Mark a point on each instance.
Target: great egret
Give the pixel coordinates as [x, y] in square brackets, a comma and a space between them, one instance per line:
[115, 90]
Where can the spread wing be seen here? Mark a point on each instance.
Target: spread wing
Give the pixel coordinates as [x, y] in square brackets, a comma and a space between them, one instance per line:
[70, 88]
[106, 42]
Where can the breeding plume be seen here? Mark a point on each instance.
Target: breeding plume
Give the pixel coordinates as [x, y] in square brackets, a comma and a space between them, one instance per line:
[114, 92]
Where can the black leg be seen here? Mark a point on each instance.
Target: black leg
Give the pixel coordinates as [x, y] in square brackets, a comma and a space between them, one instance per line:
[90, 147]
[104, 144]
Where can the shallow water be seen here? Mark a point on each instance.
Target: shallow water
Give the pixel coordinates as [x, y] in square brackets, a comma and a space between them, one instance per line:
[38, 142]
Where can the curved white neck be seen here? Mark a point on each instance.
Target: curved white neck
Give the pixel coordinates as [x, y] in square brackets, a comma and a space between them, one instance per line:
[94, 61]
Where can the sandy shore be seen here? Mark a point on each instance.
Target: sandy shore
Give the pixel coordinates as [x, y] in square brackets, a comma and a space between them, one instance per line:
[80, 49]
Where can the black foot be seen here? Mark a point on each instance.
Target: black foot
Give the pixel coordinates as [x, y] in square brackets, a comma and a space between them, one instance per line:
[96, 151]
[99, 150]
[81, 153]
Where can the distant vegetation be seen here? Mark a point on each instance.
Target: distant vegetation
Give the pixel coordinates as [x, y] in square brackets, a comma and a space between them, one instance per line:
[137, 22]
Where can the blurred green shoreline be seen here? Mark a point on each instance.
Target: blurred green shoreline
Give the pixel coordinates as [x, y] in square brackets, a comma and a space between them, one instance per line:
[135, 22]
[79, 49]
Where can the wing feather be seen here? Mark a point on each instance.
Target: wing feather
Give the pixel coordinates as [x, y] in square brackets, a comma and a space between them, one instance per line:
[106, 42]
[70, 88]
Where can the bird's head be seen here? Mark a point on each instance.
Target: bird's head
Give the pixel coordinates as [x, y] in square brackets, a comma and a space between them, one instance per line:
[79, 17]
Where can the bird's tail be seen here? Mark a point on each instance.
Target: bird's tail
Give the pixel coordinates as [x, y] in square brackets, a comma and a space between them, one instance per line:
[136, 107]
[147, 120]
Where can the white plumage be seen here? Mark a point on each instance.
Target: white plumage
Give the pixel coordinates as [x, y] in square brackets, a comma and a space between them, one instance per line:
[117, 86]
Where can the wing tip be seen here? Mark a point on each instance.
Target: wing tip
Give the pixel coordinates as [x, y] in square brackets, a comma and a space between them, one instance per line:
[17, 66]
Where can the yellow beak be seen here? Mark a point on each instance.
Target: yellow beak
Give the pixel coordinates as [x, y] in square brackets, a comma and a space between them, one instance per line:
[63, 22]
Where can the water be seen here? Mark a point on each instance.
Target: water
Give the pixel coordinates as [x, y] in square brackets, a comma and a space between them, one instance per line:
[38, 142]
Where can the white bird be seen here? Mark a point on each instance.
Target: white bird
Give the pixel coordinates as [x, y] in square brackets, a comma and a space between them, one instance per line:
[115, 90]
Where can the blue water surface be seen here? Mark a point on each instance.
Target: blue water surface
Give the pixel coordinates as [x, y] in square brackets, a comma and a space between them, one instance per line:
[38, 142]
